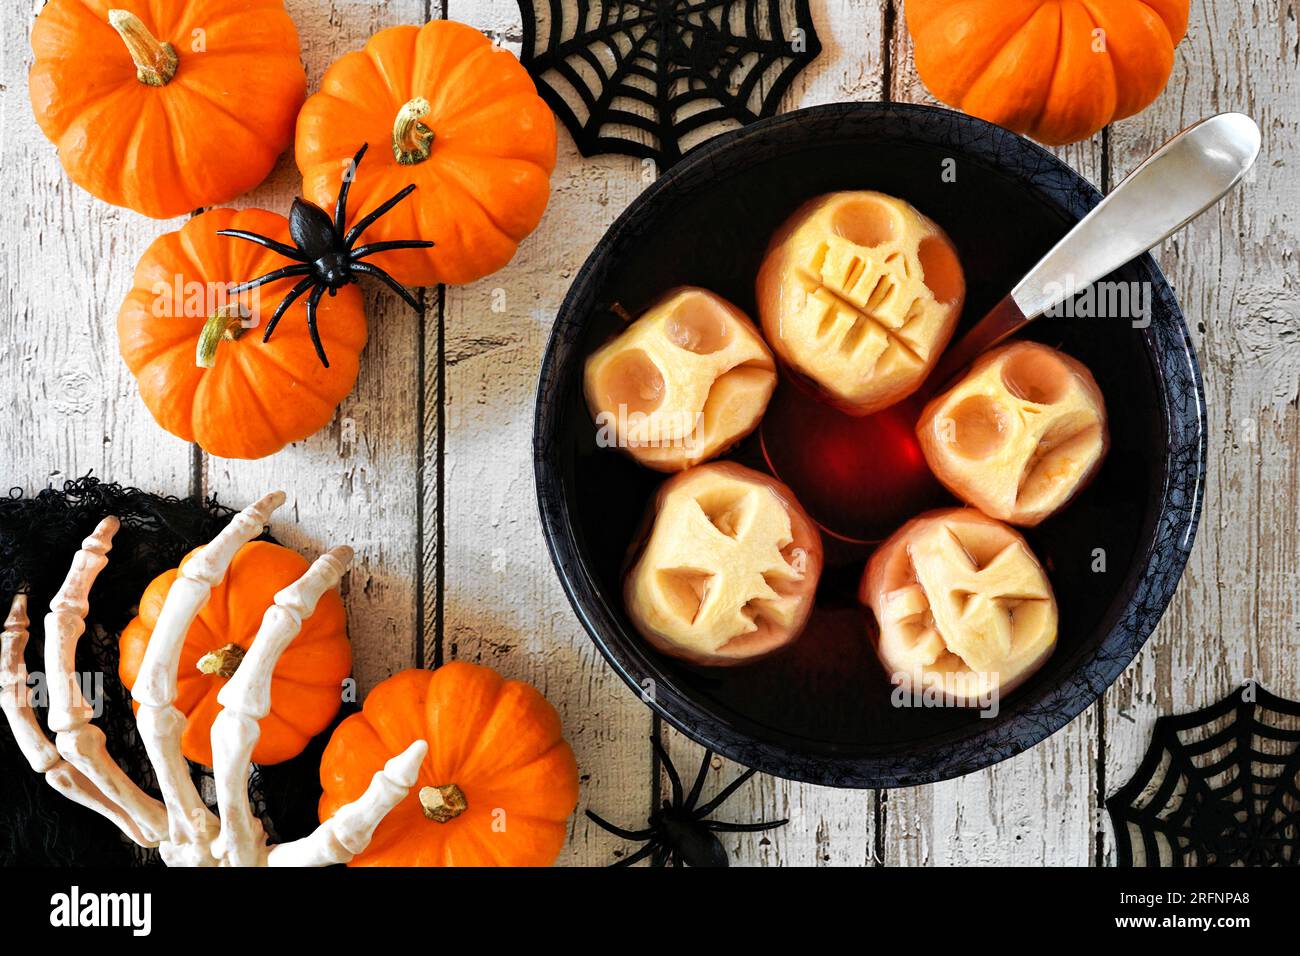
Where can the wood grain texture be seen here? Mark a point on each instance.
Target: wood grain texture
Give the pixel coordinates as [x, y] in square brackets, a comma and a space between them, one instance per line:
[502, 602]
[427, 468]
[68, 404]
[1235, 615]
[1038, 807]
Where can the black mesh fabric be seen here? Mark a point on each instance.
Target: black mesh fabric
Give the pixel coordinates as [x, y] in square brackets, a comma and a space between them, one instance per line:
[38, 537]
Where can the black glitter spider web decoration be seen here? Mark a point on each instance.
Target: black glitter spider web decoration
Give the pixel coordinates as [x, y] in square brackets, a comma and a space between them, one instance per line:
[1217, 787]
[650, 78]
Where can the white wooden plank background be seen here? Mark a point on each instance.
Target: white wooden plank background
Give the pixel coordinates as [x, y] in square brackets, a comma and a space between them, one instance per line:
[426, 469]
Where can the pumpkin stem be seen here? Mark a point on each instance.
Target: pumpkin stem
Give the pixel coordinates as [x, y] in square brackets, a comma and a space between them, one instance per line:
[223, 661]
[223, 325]
[412, 140]
[155, 61]
[443, 804]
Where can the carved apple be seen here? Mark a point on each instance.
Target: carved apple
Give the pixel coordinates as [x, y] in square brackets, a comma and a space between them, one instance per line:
[962, 605]
[1019, 434]
[683, 383]
[726, 569]
[859, 294]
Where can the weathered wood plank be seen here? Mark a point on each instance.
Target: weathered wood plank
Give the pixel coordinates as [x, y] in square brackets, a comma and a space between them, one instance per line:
[1037, 807]
[356, 482]
[69, 404]
[503, 605]
[1234, 617]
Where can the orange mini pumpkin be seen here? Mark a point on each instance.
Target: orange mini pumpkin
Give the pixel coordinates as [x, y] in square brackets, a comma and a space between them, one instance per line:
[442, 107]
[1056, 70]
[257, 396]
[496, 789]
[306, 687]
[166, 107]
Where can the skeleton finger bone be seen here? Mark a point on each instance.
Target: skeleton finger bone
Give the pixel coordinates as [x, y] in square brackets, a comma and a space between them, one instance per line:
[246, 699]
[350, 830]
[79, 741]
[192, 827]
[184, 829]
[42, 755]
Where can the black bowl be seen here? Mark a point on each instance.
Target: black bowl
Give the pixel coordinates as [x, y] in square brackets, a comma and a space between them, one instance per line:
[820, 711]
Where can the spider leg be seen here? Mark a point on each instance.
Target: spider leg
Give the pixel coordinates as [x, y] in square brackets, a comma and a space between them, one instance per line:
[661, 856]
[370, 248]
[283, 307]
[638, 856]
[384, 277]
[289, 252]
[284, 273]
[718, 826]
[368, 220]
[696, 787]
[341, 205]
[619, 831]
[312, 301]
[672, 771]
[727, 791]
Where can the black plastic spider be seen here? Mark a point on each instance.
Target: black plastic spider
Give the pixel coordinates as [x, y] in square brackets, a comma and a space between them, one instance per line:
[325, 255]
[678, 832]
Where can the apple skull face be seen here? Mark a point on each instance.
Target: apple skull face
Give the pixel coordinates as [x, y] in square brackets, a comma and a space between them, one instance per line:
[962, 605]
[681, 384]
[727, 569]
[1019, 434]
[859, 293]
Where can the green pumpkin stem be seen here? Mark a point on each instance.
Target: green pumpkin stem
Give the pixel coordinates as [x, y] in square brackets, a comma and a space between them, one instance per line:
[412, 140]
[155, 61]
[443, 804]
[223, 325]
[223, 662]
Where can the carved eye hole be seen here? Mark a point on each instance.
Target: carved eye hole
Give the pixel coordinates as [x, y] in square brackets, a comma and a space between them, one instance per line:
[632, 380]
[698, 325]
[1036, 376]
[976, 428]
[726, 509]
[864, 222]
[685, 589]
[941, 271]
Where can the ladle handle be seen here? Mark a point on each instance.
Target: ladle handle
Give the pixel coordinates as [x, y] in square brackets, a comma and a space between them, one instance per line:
[1176, 183]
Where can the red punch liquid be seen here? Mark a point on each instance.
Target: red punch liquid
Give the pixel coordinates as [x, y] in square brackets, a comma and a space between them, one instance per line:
[863, 478]
[859, 478]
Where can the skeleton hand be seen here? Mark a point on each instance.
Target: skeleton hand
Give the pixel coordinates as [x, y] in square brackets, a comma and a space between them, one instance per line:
[185, 831]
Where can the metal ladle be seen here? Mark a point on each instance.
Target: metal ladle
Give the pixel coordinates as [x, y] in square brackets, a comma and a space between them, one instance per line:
[1181, 180]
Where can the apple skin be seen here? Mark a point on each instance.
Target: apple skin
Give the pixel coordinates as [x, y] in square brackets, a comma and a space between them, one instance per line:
[883, 576]
[738, 369]
[987, 483]
[781, 295]
[768, 639]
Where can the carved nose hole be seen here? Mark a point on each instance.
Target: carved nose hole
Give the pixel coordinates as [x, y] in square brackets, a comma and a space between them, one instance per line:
[864, 222]
[726, 512]
[698, 325]
[1035, 375]
[631, 380]
[976, 428]
[962, 599]
[941, 272]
